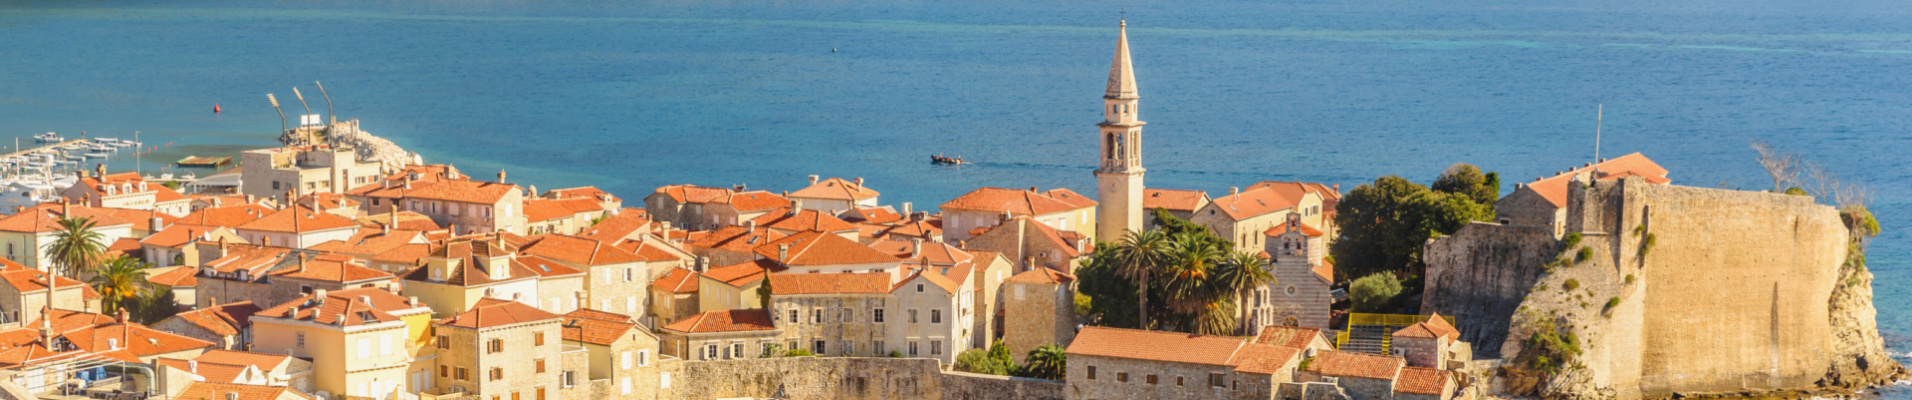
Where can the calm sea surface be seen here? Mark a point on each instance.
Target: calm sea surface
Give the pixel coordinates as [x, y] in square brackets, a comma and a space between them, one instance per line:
[632, 95]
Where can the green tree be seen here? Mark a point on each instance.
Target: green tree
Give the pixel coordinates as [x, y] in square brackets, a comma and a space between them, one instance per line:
[1112, 300]
[157, 305]
[771, 350]
[1141, 256]
[1464, 179]
[1047, 362]
[120, 282]
[1187, 284]
[76, 247]
[1373, 293]
[764, 291]
[1240, 273]
[799, 353]
[977, 361]
[1385, 224]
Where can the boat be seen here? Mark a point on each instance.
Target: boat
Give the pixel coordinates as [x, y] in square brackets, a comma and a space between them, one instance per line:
[940, 160]
[47, 137]
[99, 155]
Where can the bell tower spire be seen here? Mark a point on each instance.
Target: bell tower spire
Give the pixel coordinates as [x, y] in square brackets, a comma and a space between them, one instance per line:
[1119, 177]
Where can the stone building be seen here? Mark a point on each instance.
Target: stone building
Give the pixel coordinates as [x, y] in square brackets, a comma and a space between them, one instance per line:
[464, 272]
[270, 173]
[560, 287]
[618, 279]
[359, 340]
[183, 281]
[674, 295]
[168, 247]
[1432, 344]
[722, 335]
[1179, 203]
[229, 326]
[790, 221]
[273, 275]
[732, 286]
[1543, 202]
[935, 315]
[1244, 214]
[1424, 384]
[242, 367]
[1300, 294]
[1039, 310]
[1119, 175]
[128, 191]
[701, 208]
[818, 252]
[233, 391]
[1309, 340]
[834, 195]
[834, 314]
[1377, 377]
[499, 349]
[1029, 244]
[974, 212]
[1116, 363]
[620, 351]
[730, 245]
[25, 234]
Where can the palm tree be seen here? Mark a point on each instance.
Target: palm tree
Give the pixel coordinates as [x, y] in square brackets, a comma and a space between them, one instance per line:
[77, 246]
[1214, 317]
[1240, 273]
[1140, 256]
[1047, 362]
[120, 282]
[1186, 275]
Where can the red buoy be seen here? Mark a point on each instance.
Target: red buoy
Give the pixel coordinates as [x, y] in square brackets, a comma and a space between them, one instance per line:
[215, 108]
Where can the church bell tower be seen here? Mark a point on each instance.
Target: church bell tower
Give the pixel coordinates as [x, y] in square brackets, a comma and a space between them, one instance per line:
[1119, 177]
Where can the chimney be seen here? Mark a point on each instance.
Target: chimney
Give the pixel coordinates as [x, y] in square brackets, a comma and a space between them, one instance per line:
[301, 263]
[703, 264]
[365, 299]
[99, 170]
[750, 226]
[122, 315]
[907, 207]
[783, 252]
[859, 183]
[222, 246]
[66, 207]
[385, 228]
[795, 205]
[1032, 188]
[292, 312]
[408, 183]
[212, 301]
[192, 366]
[501, 175]
[813, 179]
[919, 216]
[413, 301]
[319, 295]
[916, 247]
[250, 199]
[533, 189]
[265, 241]
[339, 318]
[155, 224]
[1234, 190]
[1029, 263]
[1337, 188]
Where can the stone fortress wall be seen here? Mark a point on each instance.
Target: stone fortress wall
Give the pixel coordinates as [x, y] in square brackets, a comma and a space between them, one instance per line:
[800, 378]
[1738, 292]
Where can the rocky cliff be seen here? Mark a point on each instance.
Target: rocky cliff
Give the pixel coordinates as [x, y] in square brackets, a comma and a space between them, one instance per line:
[348, 134]
[1672, 291]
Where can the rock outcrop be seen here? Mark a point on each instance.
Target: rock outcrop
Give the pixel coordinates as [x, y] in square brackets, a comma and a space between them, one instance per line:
[1672, 291]
[347, 134]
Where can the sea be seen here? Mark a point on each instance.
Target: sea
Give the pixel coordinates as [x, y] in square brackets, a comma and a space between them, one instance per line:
[629, 95]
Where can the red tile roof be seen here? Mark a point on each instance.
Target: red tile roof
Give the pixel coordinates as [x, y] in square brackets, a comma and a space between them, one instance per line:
[678, 280]
[1288, 336]
[1327, 192]
[1018, 202]
[218, 391]
[30, 280]
[1043, 275]
[937, 253]
[331, 268]
[620, 225]
[937, 279]
[1554, 188]
[370, 242]
[1360, 365]
[833, 283]
[229, 216]
[1433, 327]
[1263, 359]
[813, 248]
[174, 276]
[1418, 380]
[1154, 345]
[835, 189]
[262, 361]
[734, 238]
[753, 201]
[716, 321]
[928, 229]
[178, 235]
[1173, 200]
[1258, 200]
[741, 274]
[578, 250]
[306, 220]
[596, 327]
[546, 267]
[802, 220]
[360, 306]
[539, 210]
[462, 191]
[589, 192]
[213, 372]
[1282, 229]
[224, 319]
[692, 193]
[45, 217]
[490, 312]
[875, 215]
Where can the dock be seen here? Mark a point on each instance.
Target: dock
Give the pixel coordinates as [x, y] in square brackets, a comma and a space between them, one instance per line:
[42, 148]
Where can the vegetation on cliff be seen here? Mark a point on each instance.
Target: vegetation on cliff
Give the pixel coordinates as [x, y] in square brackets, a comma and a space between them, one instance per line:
[1385, 224]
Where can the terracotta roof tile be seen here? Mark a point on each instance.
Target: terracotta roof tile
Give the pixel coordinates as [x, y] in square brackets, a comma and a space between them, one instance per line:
[928, 229]
[622, 224]
[299, 219]
[491, 312]
[937, 253]
[540, 210]
[578, 250]
[875, 215]
[678, 280]
[813, 248]
[833, 283]
[1288, 336]
[596, 327]
[715, 321]
[29, 280]
[589, 192]
[1262, 359]
[1341, 363]
[213, 372]
[753, 201]
[741, 274]
[210, 390]
[1258, 200]
[692, 193]
[1328, 193]
[1418, 380]
[1282, 229]
[178, 235]
[1044, 276]
[1018, 202]
[835, 189]
[46, 218]
[462, 191]
[939, 280]
[331, 268]
[1433, 327]
[1173, 200]
[174, 276]
[225, 319]
[1161, 345]
[262, 361]
[228, 216]
[802, 220]
[735, 238]
[1554, 188]
[352, 304]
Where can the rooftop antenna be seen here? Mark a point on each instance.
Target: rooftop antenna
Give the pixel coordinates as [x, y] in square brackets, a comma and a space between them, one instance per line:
[328, 103]
[137, 168]
[275, 106]
[1599, 114]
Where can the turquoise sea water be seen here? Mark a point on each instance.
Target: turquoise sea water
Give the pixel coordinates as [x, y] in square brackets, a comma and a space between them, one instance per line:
[631, 95]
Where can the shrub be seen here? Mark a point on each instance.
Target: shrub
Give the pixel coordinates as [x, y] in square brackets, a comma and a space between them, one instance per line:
[1629, 279]
[772, 350]
[1570, 285]
[1304, 364]
[1541, 287]
[1646, 245]
[1549, 347]
[977, 361]
[1570, 240]
[896, 354]
[799, 353]
[1584, 254]
[1613, 302]
[1373, 293]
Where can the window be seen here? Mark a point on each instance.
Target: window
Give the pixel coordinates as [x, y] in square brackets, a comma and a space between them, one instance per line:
[643, 358]
[539, 366]
[364, 348]
[1178, 381]
[819, 348]
[495, 345]
[935, 316]
[1215, 380]
[816, 316]
[514, 396]
[766, 349]
[919, 288]
[570, 378]
[877, 348]
[385, 345]
[444, 371]
[300, 339]
[664, 380]
[935, 347]
[464, 374]
[791, 345]
[848, 348]
[444, 342]
[1121, 377]
[793, 316]
[1092, 372]
[627, 359]
[537, 338]
[497, 373]
[710, 352]
[912, 348]
[630, 274]
[737, 350]
[912, 316]
[849, 315]
[540, 394]
[626, 384]
[876, 315]
[1150, 378]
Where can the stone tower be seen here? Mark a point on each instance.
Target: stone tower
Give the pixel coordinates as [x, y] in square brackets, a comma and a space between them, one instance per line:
[1119, 179]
